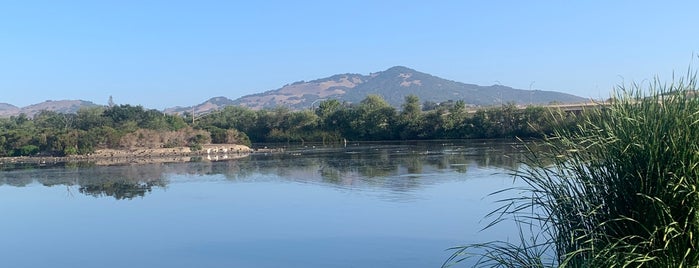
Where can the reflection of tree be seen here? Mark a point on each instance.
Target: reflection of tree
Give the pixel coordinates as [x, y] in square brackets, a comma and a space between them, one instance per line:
[17, 181]
[331, 175]
[414, 164]
[120, 182]
[396, 166]
[118, 189]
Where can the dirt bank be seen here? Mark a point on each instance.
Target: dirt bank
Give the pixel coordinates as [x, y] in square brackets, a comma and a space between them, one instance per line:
[210, 152]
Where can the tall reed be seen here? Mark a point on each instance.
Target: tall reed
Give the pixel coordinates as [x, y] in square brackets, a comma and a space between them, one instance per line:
[620, 190]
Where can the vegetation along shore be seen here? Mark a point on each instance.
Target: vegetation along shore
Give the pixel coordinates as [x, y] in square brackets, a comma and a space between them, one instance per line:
[131, 129]
[618, 190]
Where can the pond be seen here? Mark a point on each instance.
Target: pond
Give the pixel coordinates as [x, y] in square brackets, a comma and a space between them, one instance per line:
[399, 204]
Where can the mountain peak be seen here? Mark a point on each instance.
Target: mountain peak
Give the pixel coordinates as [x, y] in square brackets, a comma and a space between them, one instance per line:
[399, 69]
[220, 100]
[393, 85]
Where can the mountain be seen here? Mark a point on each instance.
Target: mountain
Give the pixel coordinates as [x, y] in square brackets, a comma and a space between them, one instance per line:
[397, 82]
[393, 85]
[60, 106]
[303, 94]
[212, 104]
[7, 110]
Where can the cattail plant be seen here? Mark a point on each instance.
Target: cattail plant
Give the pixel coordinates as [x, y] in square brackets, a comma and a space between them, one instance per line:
[619, 190]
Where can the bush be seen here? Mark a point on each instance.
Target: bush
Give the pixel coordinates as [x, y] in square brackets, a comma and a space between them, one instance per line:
[70, 151]
[27, 150]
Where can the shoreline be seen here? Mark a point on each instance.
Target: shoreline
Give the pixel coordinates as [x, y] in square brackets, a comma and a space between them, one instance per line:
[106, 157]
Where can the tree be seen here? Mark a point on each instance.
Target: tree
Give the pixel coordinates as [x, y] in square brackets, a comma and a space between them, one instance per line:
[123, 113]
[327, 107]
[53, 120]
[454, 121]
[375, 119]
[88, 118]
[410, 118]
[429, 105]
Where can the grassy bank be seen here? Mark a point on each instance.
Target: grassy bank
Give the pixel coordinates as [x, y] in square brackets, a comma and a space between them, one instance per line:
[620, 190]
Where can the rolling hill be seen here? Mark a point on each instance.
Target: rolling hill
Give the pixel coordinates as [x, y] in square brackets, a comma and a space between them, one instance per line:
[7, 110]
[392, 84]
[61, 106]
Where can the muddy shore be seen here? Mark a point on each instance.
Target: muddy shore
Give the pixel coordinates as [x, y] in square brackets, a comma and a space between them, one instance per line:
[103, 157]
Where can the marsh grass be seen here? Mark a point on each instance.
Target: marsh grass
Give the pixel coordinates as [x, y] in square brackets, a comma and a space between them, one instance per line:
[619, 190]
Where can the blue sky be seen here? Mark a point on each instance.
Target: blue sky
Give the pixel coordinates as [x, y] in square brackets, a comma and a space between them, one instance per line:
[177, 53]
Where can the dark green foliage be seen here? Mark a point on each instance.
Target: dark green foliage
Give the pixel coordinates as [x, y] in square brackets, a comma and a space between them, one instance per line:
[126, 126]
[29, 149]
[52, 133]
[410, 118]
[238, 118]
[88, 118]
[231, 136]
[373, 119]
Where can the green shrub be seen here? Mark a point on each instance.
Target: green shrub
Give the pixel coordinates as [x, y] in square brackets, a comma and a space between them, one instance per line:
[70, 151]
[27, 150]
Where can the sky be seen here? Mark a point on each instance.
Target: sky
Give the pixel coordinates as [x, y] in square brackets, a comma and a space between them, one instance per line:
[161, 54]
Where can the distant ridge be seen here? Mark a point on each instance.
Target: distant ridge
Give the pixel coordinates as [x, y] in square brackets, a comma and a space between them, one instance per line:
[212, 104]
[60, 106]
[7, 110]
[392, 84]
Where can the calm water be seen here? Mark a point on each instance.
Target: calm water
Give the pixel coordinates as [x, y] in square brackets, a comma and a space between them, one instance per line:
[363, 205]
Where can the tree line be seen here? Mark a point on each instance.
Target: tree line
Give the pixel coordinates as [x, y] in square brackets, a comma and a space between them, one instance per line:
[374, 119]
[126, 126]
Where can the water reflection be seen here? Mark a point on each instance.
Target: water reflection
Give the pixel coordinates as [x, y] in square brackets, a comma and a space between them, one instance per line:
[399, 167]
[120, 182]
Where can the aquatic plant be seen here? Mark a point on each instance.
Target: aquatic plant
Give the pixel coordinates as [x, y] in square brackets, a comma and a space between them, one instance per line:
[619, 190]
